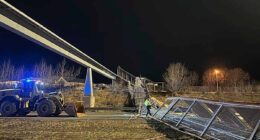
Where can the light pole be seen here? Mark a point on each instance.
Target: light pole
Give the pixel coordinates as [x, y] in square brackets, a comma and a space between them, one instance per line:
[216, 72]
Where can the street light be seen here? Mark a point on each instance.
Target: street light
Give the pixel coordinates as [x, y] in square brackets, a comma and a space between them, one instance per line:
[217, 72]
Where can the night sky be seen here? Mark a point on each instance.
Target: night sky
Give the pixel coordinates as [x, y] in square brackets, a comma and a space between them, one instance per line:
[144, 36]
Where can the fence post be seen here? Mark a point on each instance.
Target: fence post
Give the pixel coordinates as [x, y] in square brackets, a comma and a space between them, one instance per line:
[170, 108]
[186, 112]
[255, 130]
[211, 120]
[160, 107]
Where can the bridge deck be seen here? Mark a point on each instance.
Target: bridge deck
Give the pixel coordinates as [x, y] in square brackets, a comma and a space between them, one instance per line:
[18, 22]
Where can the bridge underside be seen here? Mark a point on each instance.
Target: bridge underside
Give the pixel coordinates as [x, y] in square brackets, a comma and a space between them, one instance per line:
[16, 21]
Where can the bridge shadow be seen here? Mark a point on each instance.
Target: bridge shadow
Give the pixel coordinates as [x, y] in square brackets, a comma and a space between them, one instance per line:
[168, 131]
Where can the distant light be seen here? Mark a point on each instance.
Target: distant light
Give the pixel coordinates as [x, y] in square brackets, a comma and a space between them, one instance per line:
[42, 83]
[28, 80]
[216, 71]
[37, 82]
[15, 85]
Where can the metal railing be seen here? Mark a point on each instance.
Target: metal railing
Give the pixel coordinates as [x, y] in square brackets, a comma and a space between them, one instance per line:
[123, 74]
[209, 119]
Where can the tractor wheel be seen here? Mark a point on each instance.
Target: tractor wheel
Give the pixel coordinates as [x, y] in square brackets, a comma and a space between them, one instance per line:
[8, 108]
[46, 108]
[57, 112]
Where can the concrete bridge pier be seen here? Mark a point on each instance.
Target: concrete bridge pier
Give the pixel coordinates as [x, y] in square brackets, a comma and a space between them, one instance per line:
[88, 98]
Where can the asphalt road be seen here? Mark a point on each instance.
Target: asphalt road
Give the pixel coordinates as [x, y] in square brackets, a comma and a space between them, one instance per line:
[88, 116]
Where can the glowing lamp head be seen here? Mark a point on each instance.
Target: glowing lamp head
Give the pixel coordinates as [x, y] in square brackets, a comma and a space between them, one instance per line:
[217, 71]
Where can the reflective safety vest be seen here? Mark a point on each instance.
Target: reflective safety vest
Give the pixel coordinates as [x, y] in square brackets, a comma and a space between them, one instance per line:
[147, 102]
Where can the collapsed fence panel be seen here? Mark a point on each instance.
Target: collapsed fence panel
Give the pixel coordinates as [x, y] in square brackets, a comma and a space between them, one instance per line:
[209, 119]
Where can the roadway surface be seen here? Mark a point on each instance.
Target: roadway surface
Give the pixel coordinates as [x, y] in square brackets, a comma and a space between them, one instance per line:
[95, 125]
[89, 116]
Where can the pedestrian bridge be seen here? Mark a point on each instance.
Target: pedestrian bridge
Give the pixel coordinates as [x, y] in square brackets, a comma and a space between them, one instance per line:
[18, 22]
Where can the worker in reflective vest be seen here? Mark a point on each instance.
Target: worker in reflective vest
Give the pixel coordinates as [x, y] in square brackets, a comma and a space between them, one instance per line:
[148, 106]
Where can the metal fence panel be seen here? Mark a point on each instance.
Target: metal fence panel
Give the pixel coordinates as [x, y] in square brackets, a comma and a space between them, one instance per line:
[167, 105]
[210, 119]
[235, 123]
[177, 112]
[199, 116]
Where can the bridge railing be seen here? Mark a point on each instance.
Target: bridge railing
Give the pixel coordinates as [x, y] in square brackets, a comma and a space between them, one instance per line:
[123, 74]
[18, 22]
[209, 119]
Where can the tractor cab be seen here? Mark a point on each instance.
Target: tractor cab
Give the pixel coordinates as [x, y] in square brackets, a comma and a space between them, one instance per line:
[31, 87]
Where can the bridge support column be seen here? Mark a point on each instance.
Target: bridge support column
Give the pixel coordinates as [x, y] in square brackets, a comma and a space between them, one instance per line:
[113, 85]
[89, 98]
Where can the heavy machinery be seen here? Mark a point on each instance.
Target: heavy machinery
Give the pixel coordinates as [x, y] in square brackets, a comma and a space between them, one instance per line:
[29, 97]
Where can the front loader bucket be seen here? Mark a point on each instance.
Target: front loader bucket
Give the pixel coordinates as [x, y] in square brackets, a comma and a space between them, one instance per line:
[75, 109]
[70, 109]
[80, 109]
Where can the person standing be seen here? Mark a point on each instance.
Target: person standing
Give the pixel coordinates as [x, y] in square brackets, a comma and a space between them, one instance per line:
[148, 106]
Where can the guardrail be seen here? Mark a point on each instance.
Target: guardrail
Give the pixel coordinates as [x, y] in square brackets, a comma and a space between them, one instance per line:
[209, 119]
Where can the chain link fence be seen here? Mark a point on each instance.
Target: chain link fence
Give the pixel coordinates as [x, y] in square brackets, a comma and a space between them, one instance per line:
[209, 119]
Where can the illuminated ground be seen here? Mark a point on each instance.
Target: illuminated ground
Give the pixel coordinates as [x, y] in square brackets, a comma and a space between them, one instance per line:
[104, 125]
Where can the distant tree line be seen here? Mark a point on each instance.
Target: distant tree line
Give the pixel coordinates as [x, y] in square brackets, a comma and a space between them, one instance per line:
[10, 72]
[235, 77]
[178, 77]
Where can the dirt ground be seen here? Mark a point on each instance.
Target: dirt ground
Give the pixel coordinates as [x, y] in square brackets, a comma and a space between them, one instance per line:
[94, 126]
[103, 98]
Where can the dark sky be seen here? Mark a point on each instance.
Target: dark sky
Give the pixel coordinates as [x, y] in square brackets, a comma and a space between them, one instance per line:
[144, 36]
